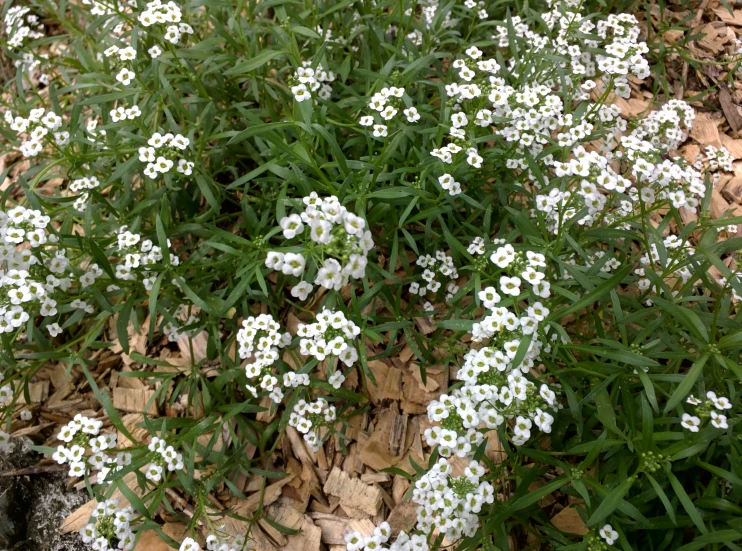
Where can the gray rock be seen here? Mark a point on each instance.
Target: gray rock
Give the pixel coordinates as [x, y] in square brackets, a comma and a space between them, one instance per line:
[32, 507]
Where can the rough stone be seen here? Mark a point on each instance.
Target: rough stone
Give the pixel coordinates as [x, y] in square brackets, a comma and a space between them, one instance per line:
[32, 507]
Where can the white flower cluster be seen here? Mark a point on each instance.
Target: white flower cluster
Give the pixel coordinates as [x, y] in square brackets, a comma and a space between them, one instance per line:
[310, 417]
[259, 339]
[387, 103]
[166, 455]
[168, 14]
[109, 528]
[718, 159]
[161, 154]
[78, 186]
[336, 235]
[527, 268]
[19, 26]
[215, 543]
[429, 21]
[137, 255]
[355, 541]
[6, 446]
[81, 433]
[672, 262]
[331, 335]
[176, 332]
[23, 294]
[6, 398]
[439, 265]
[36, 129]
[712, 408]
[307, 81]
[449, 504]
[666, 128]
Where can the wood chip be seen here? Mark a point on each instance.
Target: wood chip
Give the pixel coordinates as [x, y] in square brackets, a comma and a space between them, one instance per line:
[247, 506]
[150, 540]
[706, 130]
[734, 18]
[568, 520]
[375, 451]
[352, 492]
[80, 517]
[731, 111]
[309, 537]
[334, 527]
[403, 517]
[199, 347]
[134, 400]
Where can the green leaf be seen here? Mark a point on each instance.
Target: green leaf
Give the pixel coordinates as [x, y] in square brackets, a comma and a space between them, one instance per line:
[686, 385]
[611, 502]
[254, 62]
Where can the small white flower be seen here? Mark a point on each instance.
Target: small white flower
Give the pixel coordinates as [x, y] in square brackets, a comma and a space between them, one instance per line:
[690, 422]
[125, 76]
[609, 534]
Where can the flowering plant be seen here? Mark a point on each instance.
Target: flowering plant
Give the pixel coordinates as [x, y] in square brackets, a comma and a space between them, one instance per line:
[258, 204]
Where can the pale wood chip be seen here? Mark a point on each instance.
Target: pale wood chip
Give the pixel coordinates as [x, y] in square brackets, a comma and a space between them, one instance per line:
[134, 400]
[149, 540]
[334, 527]
[568, 520]
[310, 535]
[734, 18]
[706, 130]
[352, 492]
[80, 517]
[731, 111]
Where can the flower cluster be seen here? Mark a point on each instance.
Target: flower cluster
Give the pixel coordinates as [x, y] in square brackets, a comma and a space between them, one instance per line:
[22, 292]
[332, 334]
[338, 240]
[137, 256]
[713, 407]
[162, 153]
[309, 418]
[20, 25]
[450, 503]
[215, 543]
[165, 455]
[109, 528]
[170, 16]
[259, 339]
[37, 128]
[355, 541]
[439, 265]
[525, 268]
[307, 81]
[718, 159]
[387, 103]
[82, 433]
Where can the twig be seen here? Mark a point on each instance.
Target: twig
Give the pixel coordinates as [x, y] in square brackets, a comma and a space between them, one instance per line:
[36, 469]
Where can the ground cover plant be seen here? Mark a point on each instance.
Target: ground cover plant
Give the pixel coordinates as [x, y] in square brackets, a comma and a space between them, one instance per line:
[371, 274]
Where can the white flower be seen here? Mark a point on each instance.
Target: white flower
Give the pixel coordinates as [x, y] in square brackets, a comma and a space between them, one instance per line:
[301, 290]
[189, 544]
[690, 422]
[380, 131]
[510, 285]
[411, 114]
[719, 421]
[609, 534]
[125, 76]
